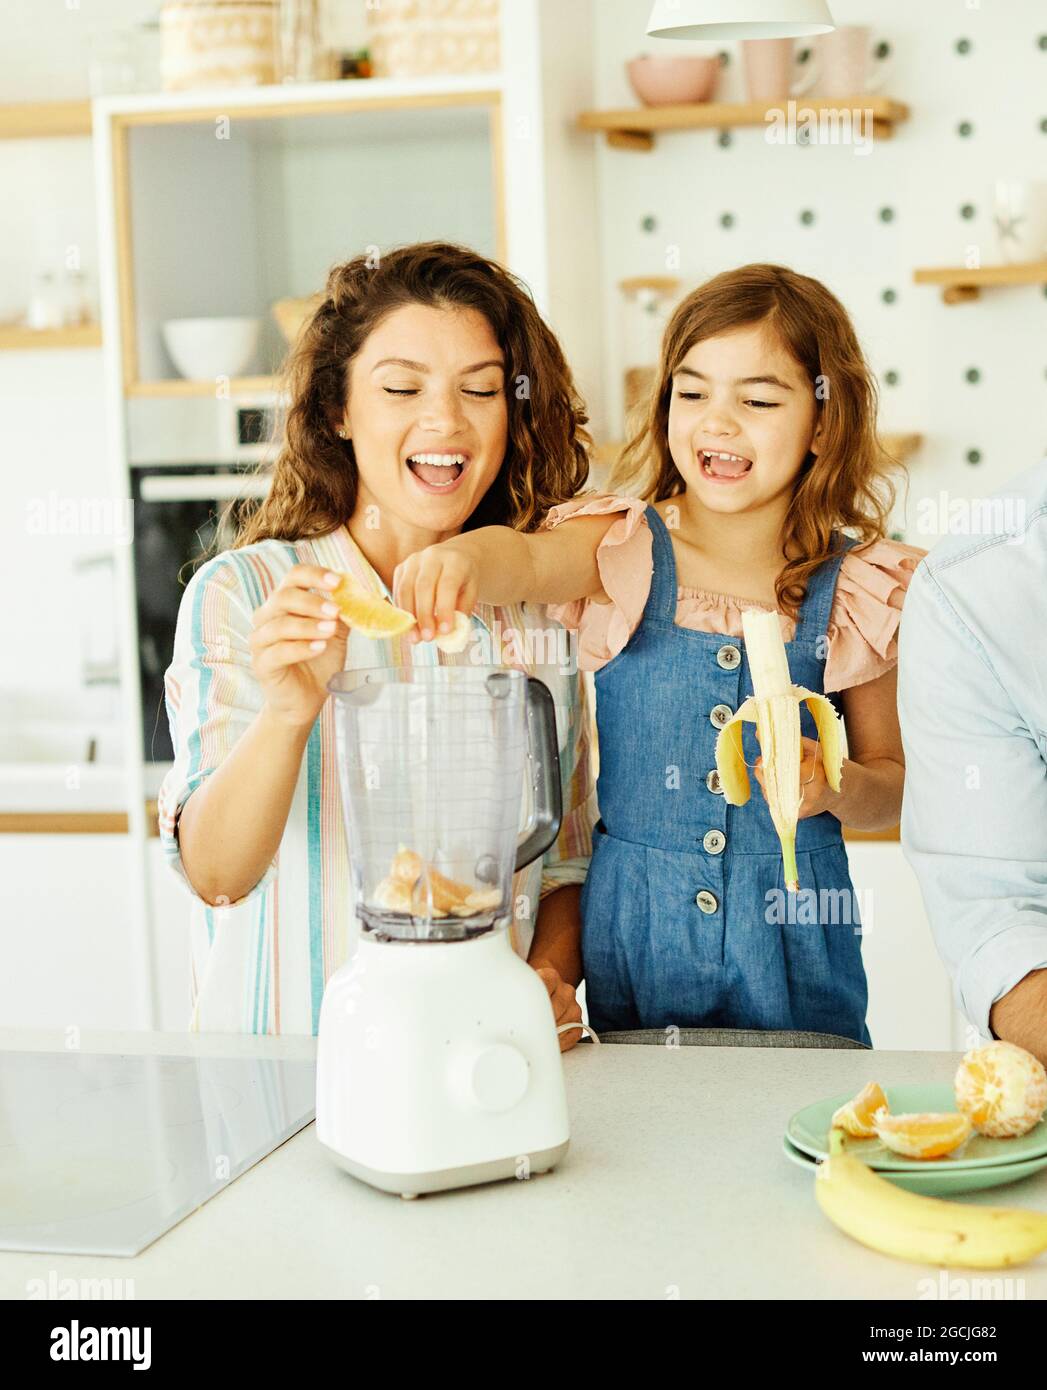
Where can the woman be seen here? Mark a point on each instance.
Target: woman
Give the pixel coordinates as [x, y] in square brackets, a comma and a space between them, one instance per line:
[427, 398]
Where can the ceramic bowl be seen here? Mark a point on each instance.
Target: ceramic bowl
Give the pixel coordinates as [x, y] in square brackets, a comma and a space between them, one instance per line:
[670, 81]
[205, 348]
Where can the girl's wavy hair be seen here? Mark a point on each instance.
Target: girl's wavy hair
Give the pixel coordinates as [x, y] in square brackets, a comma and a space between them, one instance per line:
[314, 481]
[847, 485]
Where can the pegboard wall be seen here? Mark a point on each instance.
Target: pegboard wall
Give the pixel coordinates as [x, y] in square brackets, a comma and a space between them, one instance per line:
[971, 377]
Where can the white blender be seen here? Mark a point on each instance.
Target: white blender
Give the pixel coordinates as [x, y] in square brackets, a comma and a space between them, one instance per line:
[438, 1059]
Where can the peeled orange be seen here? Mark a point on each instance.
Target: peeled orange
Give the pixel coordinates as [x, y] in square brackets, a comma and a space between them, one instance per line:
[856, 1117]
[368, 614]
[1002, 1089]
[923, 1136]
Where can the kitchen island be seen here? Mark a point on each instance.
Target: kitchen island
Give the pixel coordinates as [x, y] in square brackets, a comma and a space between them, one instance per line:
[675, 1186]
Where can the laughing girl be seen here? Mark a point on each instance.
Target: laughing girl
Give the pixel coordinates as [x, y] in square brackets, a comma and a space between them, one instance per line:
[762, 485]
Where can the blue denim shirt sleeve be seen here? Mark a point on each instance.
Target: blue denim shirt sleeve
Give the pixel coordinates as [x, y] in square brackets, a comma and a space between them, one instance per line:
[974, 815]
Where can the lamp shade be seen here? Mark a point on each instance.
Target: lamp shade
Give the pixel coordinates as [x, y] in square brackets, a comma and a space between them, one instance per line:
[739, 19]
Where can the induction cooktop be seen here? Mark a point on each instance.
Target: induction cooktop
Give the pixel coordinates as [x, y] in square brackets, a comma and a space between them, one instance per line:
[102, 1153]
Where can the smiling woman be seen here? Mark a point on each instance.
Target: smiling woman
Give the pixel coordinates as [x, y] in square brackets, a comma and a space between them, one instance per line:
[427, 398]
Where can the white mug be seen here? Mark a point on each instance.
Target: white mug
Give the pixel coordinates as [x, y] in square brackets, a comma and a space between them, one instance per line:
[1020, 215]
[845, 63]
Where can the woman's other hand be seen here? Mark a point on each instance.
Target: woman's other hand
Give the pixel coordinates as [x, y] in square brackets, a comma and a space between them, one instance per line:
[298, 644]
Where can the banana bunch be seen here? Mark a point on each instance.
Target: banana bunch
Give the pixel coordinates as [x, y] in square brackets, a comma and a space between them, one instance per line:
[924, 1229]
[775, 709]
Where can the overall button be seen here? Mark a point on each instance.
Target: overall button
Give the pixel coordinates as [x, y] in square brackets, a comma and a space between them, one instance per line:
[719, 715]
[707, 901]
[715, 841]
[712, 781]
[728, 657]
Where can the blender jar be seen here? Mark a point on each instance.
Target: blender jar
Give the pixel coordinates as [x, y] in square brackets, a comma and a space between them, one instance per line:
[435, 764]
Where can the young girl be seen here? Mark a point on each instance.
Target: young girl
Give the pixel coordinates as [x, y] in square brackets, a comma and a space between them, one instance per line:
[765, 488]
[404, 428]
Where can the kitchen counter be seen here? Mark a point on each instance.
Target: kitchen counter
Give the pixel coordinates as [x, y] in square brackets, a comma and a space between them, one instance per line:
[675, 1185]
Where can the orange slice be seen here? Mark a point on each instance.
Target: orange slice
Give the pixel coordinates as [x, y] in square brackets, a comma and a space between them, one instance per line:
[415, 887]
[458, 638]
[1002, 1089]
[856, 1117]
[923, 1136]
[367, 613]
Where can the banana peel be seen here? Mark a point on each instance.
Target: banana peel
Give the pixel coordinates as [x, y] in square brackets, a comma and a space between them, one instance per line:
[774, 707]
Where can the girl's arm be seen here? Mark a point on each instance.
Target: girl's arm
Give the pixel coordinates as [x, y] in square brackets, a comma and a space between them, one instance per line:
[498, 565]
[870, 795]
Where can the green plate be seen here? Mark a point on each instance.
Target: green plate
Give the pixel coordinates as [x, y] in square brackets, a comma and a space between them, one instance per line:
[809, 1130]
[936, 1181]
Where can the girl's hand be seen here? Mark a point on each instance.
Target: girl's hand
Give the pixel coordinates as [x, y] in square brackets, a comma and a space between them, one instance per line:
[298, 644]
[433, 584]
[566, 1008]
[817, 796]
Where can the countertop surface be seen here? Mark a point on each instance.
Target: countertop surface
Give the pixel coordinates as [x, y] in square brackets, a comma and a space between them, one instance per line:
[675, 1185]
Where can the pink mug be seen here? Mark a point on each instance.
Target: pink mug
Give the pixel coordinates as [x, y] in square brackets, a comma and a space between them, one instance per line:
[771, 70]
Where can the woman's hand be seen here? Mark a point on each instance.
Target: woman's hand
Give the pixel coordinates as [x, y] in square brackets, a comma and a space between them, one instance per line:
[298, 644]
[434, 583]
[816, 794]
[566, 1008]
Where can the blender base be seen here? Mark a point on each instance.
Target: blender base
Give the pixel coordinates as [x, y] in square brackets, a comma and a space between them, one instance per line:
[446, 1179]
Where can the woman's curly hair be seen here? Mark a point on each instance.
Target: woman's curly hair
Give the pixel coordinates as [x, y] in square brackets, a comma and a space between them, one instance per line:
[314, 482]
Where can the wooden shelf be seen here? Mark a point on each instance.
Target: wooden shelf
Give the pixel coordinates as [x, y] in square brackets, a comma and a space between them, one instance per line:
[14, 338]
[901, 448]
[75, 822]
[238, 386]
[635, 129]
[30, 120]
[959, 284]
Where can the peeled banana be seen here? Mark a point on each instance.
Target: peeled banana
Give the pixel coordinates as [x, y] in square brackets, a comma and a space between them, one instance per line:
[775, 709]
[926, 1230]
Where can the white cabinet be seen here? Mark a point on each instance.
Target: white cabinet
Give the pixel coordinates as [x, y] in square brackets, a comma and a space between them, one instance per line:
[171, 902]
[233, 209]
[72, 934]
[68, 916]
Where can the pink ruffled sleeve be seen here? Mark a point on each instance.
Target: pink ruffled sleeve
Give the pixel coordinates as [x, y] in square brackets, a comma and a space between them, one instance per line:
[866, 612]
[625, 565]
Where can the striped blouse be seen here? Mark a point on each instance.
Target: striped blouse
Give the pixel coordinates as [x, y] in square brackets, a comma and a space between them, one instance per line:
[259, 965]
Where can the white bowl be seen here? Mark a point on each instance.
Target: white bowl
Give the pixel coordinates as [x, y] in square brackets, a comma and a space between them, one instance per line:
[205, 348]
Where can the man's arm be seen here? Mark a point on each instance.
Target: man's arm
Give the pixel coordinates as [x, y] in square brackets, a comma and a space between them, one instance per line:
[1021, 1015]
[974, 814]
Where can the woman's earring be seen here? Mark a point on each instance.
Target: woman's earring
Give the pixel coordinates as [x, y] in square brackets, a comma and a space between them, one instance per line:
[343, 434]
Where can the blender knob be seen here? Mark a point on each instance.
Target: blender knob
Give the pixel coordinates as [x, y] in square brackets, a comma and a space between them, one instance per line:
[499, 1077]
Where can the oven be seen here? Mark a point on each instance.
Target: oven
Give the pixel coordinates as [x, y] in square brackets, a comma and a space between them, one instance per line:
[196, 464]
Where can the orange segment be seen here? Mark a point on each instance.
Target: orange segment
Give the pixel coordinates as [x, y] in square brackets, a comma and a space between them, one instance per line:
[923, 1136]
[367, 613]
[1002, 1089]
[457, 639]
[856, 1117]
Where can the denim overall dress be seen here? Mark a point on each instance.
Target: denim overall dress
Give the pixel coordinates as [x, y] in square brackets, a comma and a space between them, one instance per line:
[685, 916]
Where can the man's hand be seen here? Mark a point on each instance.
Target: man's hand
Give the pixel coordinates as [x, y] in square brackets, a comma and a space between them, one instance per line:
[566, 1008]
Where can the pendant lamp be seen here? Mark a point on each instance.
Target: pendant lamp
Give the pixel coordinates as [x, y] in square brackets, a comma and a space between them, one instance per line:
[739, 19]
